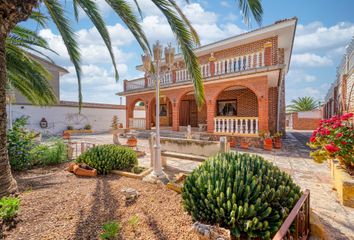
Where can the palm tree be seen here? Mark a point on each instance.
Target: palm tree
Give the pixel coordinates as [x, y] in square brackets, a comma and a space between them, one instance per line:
[302, 104]
[14, 11]
[24, 72]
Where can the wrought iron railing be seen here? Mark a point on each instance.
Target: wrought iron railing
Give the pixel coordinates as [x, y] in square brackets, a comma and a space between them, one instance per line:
[76, 148]
[299, 218]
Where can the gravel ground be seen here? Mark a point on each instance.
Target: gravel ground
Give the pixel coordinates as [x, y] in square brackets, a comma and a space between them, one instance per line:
[56, 204]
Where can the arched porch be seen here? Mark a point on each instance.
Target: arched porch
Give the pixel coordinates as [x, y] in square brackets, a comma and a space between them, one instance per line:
[236, 111]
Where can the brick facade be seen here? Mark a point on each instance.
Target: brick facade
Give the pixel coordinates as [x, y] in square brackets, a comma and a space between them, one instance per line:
[304, 123]
[255, 94]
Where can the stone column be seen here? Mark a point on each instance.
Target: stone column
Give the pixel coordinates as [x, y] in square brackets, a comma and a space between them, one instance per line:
[210, 115]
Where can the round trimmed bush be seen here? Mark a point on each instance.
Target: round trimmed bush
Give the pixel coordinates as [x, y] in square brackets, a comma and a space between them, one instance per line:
[240, 192]
[106, 158]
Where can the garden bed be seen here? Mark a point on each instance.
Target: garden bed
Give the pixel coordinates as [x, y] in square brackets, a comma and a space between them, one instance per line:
[136, 175]
[57, 205]
[77, 131]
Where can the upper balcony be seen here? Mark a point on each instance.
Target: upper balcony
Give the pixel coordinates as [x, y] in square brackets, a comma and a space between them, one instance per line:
[244, 64]
[261, 51]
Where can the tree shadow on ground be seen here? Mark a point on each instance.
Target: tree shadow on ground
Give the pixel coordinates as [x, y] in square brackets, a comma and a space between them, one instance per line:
[37, 182]
[155, 227]
[103, 210]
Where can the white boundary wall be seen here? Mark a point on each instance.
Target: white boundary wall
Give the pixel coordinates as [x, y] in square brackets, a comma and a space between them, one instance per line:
[59, 117]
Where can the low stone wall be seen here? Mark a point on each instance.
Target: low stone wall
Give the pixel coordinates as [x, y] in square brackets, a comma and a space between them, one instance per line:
[305, 122]
[190, 146]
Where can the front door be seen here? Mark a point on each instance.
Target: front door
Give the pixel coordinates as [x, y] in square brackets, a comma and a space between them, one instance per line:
[193, 114]
[184, 113]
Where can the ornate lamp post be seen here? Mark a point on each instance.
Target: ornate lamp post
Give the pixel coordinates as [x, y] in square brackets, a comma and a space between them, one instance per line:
[147, 64]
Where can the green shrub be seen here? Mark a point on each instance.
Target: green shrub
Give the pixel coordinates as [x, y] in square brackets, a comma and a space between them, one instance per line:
[241, 192]
[87, 127]
[9, 207]
[106, 158]
[19, 143]
[110, 230]
[49, 154]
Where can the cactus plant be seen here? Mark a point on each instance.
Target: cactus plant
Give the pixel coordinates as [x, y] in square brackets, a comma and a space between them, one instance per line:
[240, 192]
[105, 158]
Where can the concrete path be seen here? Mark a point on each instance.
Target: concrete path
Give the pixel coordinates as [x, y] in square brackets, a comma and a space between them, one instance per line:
[294, 159]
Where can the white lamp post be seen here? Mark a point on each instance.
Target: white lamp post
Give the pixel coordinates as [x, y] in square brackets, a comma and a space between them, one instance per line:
[147, 63]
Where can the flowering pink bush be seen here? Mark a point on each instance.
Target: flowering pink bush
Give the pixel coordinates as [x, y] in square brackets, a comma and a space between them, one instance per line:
[334, 138]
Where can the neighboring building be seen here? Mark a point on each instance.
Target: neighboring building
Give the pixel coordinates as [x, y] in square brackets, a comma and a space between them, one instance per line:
[244, 82]
[66, 113]
[308, 120]
[340, 97]
[56, 72]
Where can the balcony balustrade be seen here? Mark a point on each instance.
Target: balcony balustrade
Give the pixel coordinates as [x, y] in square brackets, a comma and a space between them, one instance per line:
[236, 125]
[221, 67]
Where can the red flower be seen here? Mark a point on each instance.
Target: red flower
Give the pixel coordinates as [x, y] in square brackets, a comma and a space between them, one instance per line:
[347, 116]
[332, 148]
[325, 132]
[343, 142]
[312, 139]
[339, 135]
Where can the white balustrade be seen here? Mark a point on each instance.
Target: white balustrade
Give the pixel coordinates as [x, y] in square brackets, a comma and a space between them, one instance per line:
[223, 66]
[236, 125]
[135, 84]
[137, 123]
[239, 63]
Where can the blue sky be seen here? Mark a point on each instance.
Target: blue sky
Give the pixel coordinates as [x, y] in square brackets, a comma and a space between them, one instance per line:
[324, 29]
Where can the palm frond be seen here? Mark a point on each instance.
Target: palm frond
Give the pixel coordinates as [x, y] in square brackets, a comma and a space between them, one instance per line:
[186, 20]
[125, 12]
[185, 41]
[57, 14]
[302, 104]
[93, 13]
[139, 9]
[253, 6]
[38, 17]
[28, 76]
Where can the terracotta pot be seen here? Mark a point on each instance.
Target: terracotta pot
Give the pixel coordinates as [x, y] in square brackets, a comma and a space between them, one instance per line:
[277, 143]
[132, 141]
[244, 145]
[268, 144]
[84, 172]
[232, 142]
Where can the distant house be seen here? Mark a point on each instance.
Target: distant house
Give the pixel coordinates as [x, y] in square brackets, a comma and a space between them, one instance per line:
[307, 120]
[340, 97]
[55, 70]
[244, 83]
[65, 113]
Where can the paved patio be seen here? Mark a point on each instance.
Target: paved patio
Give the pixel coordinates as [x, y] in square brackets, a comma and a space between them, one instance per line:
[294, 159]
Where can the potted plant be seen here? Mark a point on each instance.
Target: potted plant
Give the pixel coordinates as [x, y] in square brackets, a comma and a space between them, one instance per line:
[277, 140]
[245, 143]
[232, 141]
[87, 127]
[267, 141]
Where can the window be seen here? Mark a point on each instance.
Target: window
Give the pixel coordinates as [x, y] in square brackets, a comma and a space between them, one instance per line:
[227, 108]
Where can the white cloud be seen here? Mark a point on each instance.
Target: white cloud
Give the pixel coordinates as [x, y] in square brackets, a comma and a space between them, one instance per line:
[98, 84]
[316, 36]
[225, 4]
[310, 60]
[92, 48]
[299, 76]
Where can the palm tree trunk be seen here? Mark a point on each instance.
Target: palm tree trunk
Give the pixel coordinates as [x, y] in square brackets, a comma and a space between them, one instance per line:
[8, 184]
[11, 12]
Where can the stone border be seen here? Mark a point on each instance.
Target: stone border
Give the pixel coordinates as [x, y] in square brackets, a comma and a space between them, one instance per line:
[133, 175]
[344, 183]
[77, 131]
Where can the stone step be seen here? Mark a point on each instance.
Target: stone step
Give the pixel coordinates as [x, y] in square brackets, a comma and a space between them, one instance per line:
[183, 156]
